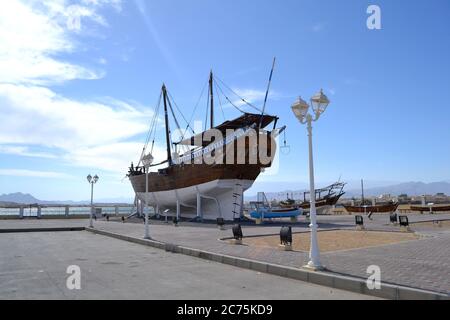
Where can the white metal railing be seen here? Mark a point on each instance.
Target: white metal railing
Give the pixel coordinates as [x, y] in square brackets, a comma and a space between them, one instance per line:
[60, 210]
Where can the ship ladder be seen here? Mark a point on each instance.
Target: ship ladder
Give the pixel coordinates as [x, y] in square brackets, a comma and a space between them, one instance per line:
[135, 205]
[237, 200]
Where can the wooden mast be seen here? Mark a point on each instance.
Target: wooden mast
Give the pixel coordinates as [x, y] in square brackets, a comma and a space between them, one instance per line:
[211, 97]
[362, 192]
[267, 93]
[166, 118]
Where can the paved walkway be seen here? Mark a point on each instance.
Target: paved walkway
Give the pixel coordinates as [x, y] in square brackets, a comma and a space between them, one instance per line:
[423, 263]
[33, 266]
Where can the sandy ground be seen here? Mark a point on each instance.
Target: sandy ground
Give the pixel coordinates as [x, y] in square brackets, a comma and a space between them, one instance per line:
[335, 240]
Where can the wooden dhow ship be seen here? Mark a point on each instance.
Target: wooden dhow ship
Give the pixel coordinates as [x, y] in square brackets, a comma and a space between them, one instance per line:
[364, 207]
[325, 198]
[205, 175]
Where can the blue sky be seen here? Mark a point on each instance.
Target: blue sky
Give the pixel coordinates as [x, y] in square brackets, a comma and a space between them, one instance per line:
[79, 81]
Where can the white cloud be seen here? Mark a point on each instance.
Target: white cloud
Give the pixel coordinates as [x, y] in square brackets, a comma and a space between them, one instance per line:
[56, 121]
[32, 173]
[88, 133]
[114, 157]
[116, 4]
[76, 12]
[32, 33]
[24, 151]
[94, 133]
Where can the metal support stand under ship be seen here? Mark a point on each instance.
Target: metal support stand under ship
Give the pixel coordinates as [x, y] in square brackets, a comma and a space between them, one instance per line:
[207, 180]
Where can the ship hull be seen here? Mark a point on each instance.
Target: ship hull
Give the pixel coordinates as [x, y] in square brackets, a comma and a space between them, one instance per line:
[218, 198]
[323, 206]
[430, 208]
[375, 209]
[220, 188]
[183, 176]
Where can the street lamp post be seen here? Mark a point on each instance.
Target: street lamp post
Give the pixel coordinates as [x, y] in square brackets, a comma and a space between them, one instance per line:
[147, 161]
[319, 103]
[92, 181]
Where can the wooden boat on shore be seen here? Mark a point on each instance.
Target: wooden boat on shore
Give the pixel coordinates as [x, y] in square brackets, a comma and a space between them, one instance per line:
[430, 208]
[261, 209]
[323, 202]
[388, 207]
[274, 214]
[378, 208]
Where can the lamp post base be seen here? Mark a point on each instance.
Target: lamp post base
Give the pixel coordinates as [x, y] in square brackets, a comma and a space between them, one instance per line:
[148, 238]
[311, 267]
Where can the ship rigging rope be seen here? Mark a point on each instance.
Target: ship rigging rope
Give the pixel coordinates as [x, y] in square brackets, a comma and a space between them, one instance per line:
[220, 101]
[173, 115]
[151, 131]
[188, 126]
[152, 123]
[242, 99]
[155, 120]
[218, 88]
[182, 115]
[195, 108]
[229, 101]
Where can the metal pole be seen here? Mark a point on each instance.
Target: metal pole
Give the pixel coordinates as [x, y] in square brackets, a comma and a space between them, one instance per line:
[147, 234]
[91, 224]
[199, 205]
[362, 192]
[314, 254]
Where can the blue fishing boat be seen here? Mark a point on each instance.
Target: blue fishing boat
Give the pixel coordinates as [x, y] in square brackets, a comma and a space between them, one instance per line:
[269, 213]
[261, 210]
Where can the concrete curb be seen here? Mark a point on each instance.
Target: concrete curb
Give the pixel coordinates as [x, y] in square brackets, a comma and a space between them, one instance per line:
[49, 229]
[353, 284]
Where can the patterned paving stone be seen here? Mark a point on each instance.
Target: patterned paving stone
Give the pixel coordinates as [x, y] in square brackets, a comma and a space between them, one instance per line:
[423, 263]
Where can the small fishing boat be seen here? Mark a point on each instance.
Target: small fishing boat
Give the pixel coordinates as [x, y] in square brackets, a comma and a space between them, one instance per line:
[378, 208]
[268, 213]
[385, 207]
[430, 208]
[323, 202]
[262, 209]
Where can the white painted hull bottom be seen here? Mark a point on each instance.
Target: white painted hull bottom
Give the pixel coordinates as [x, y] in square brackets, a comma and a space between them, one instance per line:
[226, 192]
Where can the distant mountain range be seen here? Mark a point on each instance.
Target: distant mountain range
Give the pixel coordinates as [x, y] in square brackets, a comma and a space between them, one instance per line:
[26, 198]
[18, 197]
[409, 188]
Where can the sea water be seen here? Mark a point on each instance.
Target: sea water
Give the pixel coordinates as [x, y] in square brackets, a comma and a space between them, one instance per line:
[32, 212]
